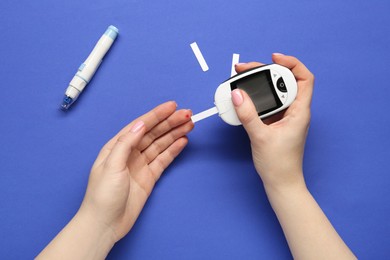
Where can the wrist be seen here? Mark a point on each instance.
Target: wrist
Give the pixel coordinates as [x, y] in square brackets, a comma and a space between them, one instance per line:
[100, 235]
[286, 187]
[82, 238]
[287, 198]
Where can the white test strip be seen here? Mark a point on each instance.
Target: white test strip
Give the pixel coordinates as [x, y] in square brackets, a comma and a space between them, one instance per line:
[235, 60]
[205, 114]
[199, 56]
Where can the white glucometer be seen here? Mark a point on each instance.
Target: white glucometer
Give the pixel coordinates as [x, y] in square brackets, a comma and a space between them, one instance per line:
[272, 88]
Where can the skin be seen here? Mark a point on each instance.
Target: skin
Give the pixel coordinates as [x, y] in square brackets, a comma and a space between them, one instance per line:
[120, 182]
[277, 149]
[128, 166]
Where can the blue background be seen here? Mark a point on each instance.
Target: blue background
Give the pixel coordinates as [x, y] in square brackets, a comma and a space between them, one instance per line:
[210, 204]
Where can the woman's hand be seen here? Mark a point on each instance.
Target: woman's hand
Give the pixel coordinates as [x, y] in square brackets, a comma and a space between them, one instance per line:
[129, 165]
[121, 180]
[278, 142]
[277, 148]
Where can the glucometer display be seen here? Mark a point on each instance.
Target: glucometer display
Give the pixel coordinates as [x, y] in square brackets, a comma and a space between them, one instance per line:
[260, 88]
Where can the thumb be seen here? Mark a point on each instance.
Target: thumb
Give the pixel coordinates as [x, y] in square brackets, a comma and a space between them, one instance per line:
[246, 112]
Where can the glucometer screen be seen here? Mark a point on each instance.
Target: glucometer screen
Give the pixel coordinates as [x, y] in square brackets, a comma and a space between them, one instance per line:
[260, 88]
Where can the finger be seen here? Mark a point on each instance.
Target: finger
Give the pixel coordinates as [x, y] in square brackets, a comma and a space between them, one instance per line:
[241, 67]
[304, 77]
[296, 66]
[161, 162]
[150, 119]
[178, 118]
[117, 159]
[159, 145]
[247, 113]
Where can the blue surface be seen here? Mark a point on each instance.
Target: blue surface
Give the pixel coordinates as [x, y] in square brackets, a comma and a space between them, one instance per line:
[210, 204]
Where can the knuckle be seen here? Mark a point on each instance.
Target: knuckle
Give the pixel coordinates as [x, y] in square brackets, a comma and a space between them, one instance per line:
[295, 59]
[246, 117]
[311, 76]
[151, 135]
[188, 128]
[157, 146]
[261, 136]
[161, 165]
[109, 163]
[258, 139]
[126, 141]
[122, 139]
[155, 176]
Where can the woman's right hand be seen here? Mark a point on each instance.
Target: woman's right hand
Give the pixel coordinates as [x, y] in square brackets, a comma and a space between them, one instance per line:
[278, 142]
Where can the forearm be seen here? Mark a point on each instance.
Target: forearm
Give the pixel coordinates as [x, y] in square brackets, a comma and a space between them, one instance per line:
[82, 238]
[309, 233]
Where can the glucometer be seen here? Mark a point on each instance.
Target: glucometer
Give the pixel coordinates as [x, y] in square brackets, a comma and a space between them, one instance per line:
[272, 89]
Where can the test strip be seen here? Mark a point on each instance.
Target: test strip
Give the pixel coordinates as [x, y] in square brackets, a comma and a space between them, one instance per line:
[199, 56]
[205, 114]
[235, 60]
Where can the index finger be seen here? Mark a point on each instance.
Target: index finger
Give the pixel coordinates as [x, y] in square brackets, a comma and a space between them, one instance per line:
[241, 67]
[304, 77]
[150, 119]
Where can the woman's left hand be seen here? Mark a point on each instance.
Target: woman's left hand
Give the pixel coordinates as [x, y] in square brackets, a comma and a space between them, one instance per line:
[129, 165]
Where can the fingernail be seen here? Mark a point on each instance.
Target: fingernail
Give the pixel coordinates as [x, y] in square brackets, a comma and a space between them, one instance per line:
[237, 97]
[277, 54]
[239, 64]
[137, 127]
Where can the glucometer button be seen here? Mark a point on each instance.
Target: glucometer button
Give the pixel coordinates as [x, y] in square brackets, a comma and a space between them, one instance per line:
[281, 85]
[283, 97]
[275, 75]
